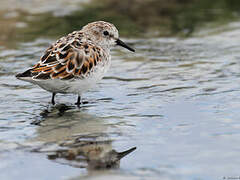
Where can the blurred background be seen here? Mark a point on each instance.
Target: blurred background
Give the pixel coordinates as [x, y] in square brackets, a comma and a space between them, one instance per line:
[27, 19]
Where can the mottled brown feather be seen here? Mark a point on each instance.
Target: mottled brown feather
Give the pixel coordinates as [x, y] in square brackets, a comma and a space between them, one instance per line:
[68, 59]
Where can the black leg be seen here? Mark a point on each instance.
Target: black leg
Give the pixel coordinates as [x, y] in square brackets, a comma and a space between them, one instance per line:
[78, 101]
[53, 95]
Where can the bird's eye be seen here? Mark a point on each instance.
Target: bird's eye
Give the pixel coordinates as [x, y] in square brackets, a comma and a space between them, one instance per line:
[106, 33]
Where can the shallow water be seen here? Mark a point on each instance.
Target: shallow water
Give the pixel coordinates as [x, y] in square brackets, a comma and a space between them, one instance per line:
[176, 100]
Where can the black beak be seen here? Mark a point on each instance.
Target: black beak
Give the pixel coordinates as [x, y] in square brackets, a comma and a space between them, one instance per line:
[120, 43]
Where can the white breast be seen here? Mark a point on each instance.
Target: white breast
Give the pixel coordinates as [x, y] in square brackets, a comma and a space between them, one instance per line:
[78, 85]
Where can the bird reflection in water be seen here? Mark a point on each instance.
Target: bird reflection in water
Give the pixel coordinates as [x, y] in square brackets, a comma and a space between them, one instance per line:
[90, 155]
[81, 141]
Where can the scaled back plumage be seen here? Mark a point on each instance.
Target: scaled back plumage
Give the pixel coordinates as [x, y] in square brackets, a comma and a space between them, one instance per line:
[75, 55]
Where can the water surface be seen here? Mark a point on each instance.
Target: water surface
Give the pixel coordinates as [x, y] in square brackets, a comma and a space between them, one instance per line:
[176, 100]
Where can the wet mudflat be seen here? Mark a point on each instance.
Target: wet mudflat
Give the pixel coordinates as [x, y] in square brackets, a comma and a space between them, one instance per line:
[176, 100]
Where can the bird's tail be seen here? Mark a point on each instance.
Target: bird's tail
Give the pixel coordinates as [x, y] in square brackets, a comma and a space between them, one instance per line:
[25, 75]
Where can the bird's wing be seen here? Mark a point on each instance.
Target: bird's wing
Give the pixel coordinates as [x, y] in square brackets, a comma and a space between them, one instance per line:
[67, 59]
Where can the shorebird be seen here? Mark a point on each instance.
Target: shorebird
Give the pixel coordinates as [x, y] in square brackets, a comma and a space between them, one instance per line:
[76, 62]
